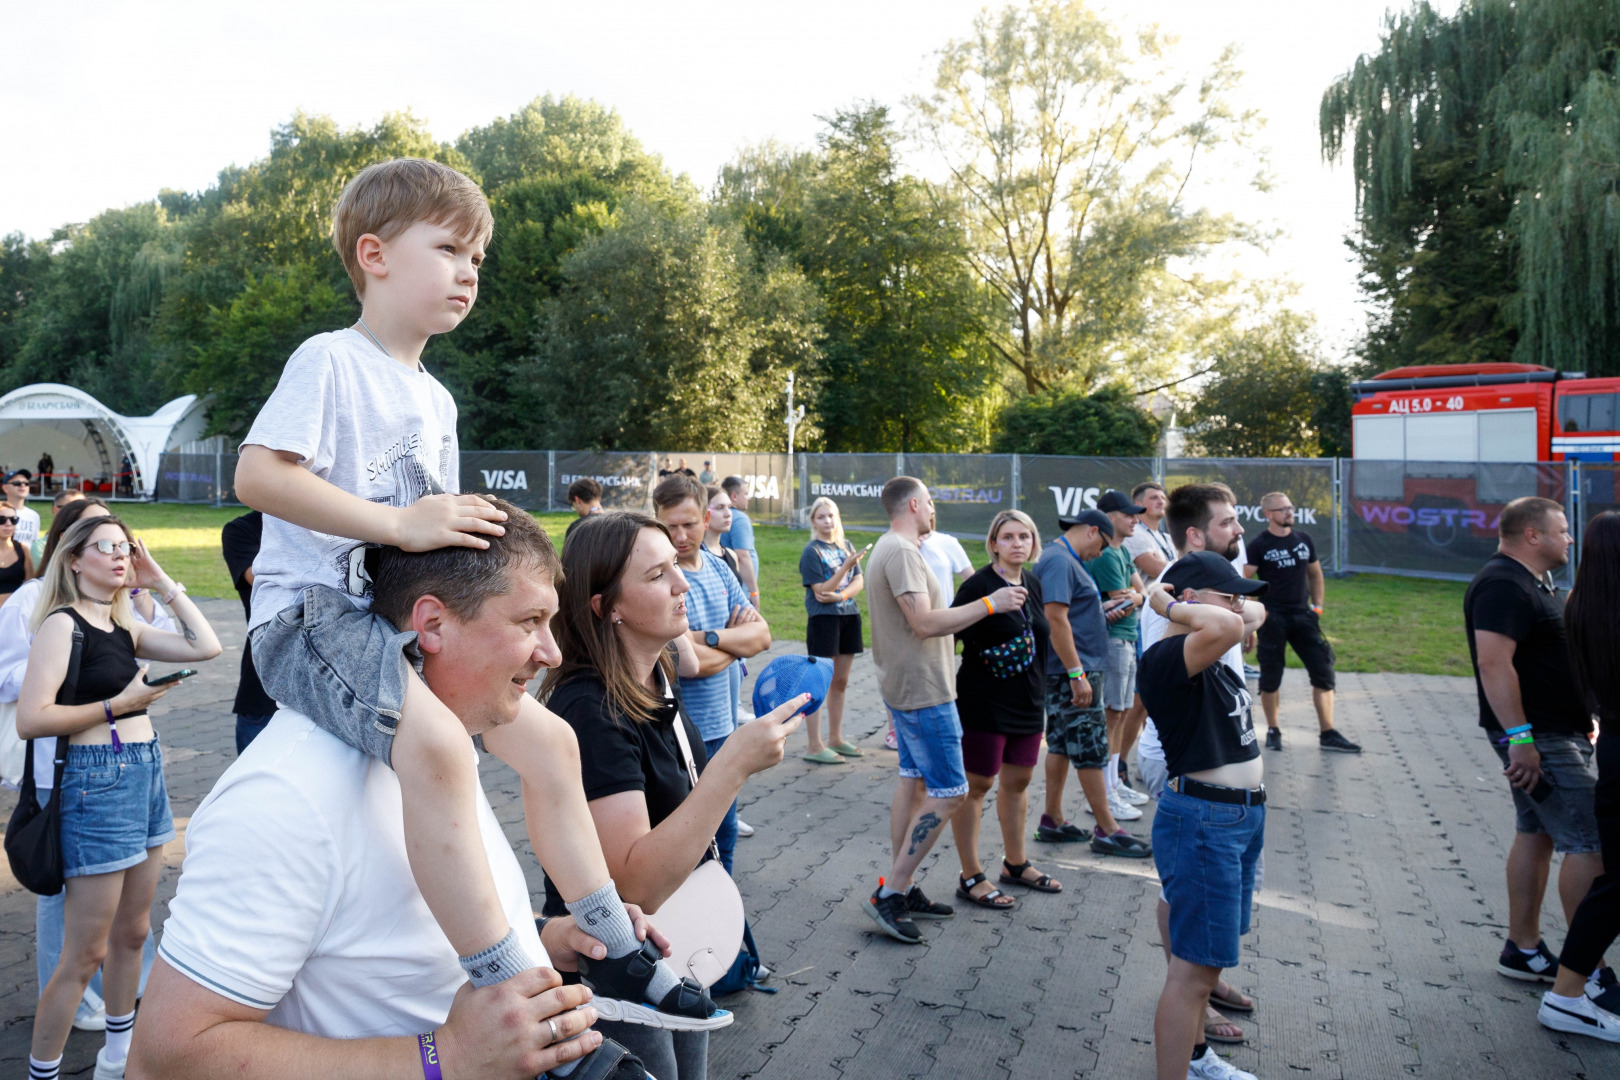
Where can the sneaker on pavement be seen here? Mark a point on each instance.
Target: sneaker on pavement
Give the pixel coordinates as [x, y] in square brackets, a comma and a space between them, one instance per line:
[1250, 671]
[1122, 810]
[1604, 988]
[1274, 738]
[1132, 796]
[1066, 833]
[1540, 966]
[90, 1017]
[1332, 740]
[889, 742]
[1214, 1067]
[1122, 844]
[107, 1069]
[921, 907]
[744, 829]
[893, 917]
[620, 986]
[1577, 1015]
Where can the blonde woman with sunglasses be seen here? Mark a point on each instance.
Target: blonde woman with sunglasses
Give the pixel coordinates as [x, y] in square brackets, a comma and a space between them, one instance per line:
[115, 807]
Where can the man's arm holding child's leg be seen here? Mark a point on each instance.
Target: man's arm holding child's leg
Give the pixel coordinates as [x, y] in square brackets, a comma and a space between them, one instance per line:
[187, 1032]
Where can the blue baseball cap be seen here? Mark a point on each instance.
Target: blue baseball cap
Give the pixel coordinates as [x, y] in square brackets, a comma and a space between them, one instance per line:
[786, 677]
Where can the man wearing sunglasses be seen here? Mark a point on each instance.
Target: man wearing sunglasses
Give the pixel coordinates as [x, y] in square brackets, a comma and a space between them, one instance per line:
[16, 485]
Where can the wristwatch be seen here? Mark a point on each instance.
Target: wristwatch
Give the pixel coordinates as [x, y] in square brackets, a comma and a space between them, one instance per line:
[711, 639]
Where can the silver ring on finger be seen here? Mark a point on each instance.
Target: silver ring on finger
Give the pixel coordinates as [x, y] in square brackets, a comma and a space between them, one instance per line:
[552, 1024]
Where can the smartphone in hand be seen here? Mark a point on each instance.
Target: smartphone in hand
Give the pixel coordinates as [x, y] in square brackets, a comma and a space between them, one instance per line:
[171, 677]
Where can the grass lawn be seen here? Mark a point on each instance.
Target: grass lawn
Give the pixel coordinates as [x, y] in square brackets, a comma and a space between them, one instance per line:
[1375, 622]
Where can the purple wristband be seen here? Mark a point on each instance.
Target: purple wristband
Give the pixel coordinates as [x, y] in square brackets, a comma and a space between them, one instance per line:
[430, 1056]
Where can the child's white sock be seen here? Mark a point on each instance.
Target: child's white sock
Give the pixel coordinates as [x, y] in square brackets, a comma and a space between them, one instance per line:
[602, 916]
[495, 964]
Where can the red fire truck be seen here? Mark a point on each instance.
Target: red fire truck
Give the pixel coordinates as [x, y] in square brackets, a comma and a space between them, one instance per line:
[1452, 434]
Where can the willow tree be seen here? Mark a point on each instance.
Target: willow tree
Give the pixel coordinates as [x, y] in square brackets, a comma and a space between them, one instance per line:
[1074, 152]
[1485, 148]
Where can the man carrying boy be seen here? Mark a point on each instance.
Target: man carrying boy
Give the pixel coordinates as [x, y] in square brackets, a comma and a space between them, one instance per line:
[356, 448]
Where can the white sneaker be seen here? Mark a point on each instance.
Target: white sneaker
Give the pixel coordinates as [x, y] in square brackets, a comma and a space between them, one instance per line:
[108, 1070]
[1214, 1067]
[1579, 1016]
[744, 829]
[92, 1014]
[1132, 796]
[1122, 810]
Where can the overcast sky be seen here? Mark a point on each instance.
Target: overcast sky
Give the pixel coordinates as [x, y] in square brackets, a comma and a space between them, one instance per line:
[104, 103]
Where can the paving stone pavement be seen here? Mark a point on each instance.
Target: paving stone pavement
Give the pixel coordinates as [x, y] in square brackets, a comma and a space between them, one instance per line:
[1372, 954]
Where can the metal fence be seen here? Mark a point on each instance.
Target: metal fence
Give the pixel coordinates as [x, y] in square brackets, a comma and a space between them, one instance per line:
[1425, 519]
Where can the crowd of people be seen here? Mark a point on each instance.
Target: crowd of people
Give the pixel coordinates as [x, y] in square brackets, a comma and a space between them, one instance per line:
[350, 906]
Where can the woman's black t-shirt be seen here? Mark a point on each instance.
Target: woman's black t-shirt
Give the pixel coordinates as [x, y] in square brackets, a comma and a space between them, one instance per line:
[106, 665]
[618, 754]
[12, 577]
[1203, 719]
[1016, 704]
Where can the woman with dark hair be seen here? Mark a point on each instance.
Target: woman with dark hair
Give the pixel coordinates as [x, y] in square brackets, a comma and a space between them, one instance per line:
[621, 629]
[16, 564]
[1592, 620]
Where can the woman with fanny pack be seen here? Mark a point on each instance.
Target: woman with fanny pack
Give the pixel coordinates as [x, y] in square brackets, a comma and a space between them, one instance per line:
[621, 606]
[114, 806]
[1001, 696]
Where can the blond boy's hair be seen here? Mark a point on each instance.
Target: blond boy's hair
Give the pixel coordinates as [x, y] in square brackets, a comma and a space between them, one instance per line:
[389, 197]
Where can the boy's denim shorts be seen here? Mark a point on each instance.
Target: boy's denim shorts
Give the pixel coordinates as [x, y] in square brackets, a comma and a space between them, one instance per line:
[344, 668]
[1207, 854]
[930, 742]
[114, 807]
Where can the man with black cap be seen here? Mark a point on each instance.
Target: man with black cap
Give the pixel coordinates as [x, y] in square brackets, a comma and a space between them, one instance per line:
[1076, 731]
[16, 497]
[1122, 590]
[1210, 826]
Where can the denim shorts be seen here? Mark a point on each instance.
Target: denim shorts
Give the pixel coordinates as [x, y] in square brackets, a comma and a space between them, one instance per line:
[1569, 812]
[930, 742]
[344, 668]
[1206, 853]
[1081, 735]
[1121, 675]
[114, 807]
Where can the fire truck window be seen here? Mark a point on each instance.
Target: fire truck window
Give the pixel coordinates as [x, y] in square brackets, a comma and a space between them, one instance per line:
[1572, 412]
[1601, 417]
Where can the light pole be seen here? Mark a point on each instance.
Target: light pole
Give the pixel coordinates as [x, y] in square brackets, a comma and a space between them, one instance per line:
[794, 416]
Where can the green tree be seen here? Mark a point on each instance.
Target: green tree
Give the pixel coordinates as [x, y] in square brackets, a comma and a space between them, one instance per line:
[905, 362]
[669, 330]
[1262, 400]
[1107, 423]
[1073, 154]
[763, 191]
[560, 137]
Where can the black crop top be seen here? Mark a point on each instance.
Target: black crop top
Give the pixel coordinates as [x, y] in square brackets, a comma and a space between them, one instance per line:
[106, 666]
[11, 577]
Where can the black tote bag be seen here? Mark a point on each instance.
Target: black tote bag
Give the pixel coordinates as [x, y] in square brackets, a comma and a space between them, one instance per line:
[34, 834]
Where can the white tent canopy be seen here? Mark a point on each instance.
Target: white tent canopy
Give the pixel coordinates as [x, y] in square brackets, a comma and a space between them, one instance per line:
[84, 436]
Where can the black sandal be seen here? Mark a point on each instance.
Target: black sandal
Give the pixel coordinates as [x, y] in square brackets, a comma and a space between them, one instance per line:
[1014, 875]
[964, 889]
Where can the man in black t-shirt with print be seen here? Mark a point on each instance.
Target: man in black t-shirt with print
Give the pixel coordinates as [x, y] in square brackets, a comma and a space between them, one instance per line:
[1285, 559]
[1532, 712]
[1209, 829]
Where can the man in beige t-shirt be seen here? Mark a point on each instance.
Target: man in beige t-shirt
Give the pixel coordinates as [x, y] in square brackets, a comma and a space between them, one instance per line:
[911, 643]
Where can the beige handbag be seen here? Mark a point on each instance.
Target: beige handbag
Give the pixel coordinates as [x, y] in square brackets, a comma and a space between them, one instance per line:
[703, 919]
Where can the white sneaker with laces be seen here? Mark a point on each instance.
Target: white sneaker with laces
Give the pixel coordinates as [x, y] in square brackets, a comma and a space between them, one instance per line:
[1578, 1016]
[744, 829]
[1214, 1067]
[1132, 796]
[92, 1013]
[1122, 810]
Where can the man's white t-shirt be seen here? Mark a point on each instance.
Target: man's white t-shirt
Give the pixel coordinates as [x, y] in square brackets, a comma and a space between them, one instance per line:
[296, 895]
[27, 528]
[945, 557]
[1144, 540]
[362, 422]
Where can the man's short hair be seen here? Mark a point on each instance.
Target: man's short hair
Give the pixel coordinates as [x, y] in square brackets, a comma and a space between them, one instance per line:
[463, 578]
[1530, 512]
[1191, 507]
[585, 490]
[389, 197]
[898, 492]
[675, 489]
[1270, 497]
[731, 485]
[1146, 485]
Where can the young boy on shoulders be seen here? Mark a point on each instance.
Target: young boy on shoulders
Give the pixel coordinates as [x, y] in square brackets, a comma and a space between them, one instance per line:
[1210, 826]
[356, 448]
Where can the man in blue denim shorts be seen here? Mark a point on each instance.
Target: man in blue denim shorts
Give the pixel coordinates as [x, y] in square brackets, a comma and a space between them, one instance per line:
[916, 664]
[1538, 725]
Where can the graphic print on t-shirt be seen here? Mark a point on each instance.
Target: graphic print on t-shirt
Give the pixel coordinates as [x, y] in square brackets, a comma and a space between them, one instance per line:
[412, 480]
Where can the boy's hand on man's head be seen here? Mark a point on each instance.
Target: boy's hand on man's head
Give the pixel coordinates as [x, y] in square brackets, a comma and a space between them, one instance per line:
[440, 521]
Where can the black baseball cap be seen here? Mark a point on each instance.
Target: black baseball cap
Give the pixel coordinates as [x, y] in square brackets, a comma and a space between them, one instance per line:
[1118, 502]
[1207, 570]
[1088, 517]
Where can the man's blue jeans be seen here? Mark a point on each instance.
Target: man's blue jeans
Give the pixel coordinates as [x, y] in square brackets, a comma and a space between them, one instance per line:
[726, 835]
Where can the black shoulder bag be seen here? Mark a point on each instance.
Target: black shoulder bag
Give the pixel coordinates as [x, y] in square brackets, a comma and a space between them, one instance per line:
[34, 834]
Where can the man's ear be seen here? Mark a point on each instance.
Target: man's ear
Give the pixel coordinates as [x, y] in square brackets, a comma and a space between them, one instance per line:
[428, 619]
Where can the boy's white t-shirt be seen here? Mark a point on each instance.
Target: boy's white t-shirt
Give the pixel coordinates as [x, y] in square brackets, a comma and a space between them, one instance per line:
[296, 895]
[362, 422]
